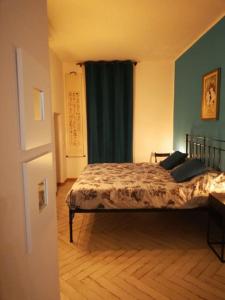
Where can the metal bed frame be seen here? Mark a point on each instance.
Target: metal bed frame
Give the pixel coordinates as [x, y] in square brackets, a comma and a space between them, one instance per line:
[208, 150]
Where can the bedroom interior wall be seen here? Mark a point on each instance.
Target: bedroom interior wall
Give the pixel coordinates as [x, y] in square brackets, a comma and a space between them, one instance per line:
[205, 55]
[24, 276]
[153, 112]
[57, 97]
[153, 109]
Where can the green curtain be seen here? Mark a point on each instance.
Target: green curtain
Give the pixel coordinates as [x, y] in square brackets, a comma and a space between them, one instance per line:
[109, 92]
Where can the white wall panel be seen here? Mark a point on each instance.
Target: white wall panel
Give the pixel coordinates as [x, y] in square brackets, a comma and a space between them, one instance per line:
[35, 172]
[32, 77]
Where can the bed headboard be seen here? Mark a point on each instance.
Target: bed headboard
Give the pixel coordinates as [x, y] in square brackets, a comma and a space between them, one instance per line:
[210, 150]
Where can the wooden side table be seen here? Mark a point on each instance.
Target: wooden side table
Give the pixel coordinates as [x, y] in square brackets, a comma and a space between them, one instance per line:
[157, 154]
[216, 218]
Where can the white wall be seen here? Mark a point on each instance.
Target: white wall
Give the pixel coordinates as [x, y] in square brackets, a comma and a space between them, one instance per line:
[153, 108]
[57, 96]
[22, 24]
[75, 165]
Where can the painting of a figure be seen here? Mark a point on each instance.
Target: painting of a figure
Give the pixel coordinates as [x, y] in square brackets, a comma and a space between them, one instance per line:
[210, 95]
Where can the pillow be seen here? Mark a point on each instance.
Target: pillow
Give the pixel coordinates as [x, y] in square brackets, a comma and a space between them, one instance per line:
[188, 170]
[173, 160]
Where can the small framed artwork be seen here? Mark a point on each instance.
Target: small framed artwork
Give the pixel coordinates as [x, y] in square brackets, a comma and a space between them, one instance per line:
[210, 95]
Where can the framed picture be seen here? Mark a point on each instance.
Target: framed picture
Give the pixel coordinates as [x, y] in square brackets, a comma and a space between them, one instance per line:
[210, 95]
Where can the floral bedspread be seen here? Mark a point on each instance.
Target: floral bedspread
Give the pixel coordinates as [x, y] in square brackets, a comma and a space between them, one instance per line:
[139, 185]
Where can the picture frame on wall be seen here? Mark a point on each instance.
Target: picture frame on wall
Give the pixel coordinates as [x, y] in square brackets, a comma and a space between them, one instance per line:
[210, 95]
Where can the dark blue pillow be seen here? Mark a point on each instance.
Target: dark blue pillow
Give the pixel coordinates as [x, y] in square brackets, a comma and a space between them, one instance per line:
[173, 160]
[188, 170]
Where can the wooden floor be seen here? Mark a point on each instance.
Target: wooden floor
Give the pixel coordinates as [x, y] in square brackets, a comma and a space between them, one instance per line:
[137, 256]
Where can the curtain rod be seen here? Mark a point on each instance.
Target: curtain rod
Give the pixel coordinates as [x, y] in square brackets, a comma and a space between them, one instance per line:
[82, 63]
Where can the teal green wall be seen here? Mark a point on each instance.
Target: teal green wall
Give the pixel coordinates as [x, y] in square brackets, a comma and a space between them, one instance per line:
[206, 54]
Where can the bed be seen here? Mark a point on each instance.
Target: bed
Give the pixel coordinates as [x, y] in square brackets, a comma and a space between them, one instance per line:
[112, 187]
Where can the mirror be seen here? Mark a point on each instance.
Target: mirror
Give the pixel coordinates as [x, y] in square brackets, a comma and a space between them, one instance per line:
[38, 99]
[42, 194]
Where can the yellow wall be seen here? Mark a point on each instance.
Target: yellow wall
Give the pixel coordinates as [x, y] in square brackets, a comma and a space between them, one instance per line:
[23, 276]
[153, 108]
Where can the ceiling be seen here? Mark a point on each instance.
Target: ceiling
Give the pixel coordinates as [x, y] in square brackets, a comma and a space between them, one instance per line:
[142, 30]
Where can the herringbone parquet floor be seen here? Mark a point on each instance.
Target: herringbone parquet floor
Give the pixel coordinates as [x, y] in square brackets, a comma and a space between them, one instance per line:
[137, 256]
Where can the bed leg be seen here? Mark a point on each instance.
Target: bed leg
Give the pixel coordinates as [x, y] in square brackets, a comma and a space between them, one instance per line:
[71, 217]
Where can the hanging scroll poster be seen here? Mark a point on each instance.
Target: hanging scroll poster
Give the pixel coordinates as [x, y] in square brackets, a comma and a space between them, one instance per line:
[74, 116]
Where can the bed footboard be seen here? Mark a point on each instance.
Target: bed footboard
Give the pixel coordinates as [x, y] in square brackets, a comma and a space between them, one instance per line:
[126, 210]
[71, 217]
